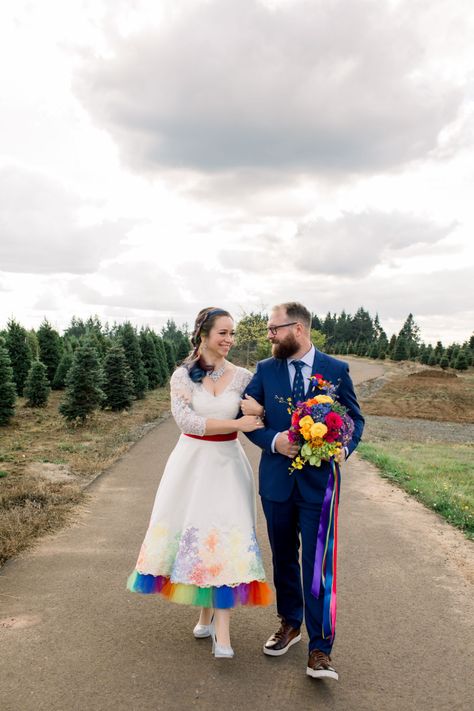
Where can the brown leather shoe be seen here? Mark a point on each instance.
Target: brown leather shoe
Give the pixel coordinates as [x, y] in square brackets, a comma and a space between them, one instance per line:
[319, 666]
[280, 642]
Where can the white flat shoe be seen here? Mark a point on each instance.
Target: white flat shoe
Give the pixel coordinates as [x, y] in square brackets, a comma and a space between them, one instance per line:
[202, 631]
[218, 650]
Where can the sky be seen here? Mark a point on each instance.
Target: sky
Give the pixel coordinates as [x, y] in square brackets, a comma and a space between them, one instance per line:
[160, 156]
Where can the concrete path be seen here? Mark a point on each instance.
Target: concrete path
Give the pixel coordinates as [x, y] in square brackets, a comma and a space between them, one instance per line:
[72, 638]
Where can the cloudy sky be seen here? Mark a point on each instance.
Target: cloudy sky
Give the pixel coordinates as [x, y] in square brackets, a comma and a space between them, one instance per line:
[158, 156]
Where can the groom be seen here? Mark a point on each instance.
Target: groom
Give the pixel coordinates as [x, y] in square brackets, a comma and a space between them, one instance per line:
[292, 504]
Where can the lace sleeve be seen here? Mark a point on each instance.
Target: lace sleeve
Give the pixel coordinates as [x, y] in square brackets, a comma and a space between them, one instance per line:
[181, 396]
[242, 379]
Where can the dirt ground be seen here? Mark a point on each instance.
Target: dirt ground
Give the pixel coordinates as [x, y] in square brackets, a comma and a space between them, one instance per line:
[427, 394]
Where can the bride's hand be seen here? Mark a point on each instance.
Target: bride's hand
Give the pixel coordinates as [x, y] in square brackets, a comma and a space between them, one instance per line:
[250, 406]
[249, 423]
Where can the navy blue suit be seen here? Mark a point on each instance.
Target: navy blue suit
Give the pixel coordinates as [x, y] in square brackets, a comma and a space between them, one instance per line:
[292, 504]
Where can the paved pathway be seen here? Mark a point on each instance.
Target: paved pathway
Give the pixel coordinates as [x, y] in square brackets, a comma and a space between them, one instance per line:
[72, 638]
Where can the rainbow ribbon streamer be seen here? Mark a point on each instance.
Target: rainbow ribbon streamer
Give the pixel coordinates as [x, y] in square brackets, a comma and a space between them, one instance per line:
[325, 561]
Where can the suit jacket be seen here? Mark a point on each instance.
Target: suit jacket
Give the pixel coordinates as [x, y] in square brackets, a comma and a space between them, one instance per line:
[272, 381]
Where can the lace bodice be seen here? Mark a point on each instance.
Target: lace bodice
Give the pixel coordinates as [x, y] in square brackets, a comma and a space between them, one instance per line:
[192, 404]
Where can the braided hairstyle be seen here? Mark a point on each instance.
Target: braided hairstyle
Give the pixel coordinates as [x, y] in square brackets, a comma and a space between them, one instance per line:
[196, 366]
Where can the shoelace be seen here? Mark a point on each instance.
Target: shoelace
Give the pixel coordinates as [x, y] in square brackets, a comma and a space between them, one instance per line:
[319, 657]
[279, 634]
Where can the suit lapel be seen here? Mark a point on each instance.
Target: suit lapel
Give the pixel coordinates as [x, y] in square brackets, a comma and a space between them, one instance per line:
[283, 376]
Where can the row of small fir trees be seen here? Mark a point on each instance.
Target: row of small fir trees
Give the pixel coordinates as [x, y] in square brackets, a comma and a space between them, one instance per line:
[363, 335]
[96, 366]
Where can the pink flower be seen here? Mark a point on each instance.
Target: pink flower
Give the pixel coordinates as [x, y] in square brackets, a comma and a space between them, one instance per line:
[333, 421]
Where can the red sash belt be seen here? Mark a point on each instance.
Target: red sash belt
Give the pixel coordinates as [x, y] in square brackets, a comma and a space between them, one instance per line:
[215, 438]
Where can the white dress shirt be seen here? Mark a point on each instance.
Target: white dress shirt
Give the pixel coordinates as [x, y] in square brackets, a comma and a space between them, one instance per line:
[306, 370]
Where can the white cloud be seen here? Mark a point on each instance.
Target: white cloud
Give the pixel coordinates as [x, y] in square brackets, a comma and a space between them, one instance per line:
[41, 230]
[354, 244]
[305, 87]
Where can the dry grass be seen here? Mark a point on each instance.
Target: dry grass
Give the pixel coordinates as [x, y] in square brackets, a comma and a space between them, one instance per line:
[430, 395]
[45, 463]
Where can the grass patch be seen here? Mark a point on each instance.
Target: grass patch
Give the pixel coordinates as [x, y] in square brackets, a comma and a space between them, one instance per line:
[438, 475]
[30, 504]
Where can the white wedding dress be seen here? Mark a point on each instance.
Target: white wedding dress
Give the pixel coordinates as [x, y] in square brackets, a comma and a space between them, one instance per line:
[200, 547]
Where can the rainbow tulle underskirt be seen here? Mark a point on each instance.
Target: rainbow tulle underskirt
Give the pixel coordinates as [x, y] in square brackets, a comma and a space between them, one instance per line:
[220, 597]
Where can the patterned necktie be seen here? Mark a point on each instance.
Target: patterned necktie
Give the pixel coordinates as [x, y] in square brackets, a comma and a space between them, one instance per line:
[298, 383]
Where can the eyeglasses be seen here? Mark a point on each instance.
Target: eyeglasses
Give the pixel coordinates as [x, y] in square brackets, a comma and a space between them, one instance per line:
[274, 329]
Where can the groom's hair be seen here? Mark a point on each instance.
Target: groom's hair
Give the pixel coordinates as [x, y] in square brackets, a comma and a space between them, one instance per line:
[297, 312]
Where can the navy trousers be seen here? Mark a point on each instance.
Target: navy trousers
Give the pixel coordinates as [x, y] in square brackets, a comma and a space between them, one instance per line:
[288, 523]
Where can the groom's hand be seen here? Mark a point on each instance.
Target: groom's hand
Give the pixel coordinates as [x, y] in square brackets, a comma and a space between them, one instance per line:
[284, 446]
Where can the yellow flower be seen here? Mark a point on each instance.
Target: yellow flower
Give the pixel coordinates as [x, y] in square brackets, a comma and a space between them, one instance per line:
[306, 423]
[323, 398]
[298, 463]
[318, 430]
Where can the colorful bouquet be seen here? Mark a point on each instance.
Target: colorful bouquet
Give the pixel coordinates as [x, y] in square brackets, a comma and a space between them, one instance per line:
[320, 425]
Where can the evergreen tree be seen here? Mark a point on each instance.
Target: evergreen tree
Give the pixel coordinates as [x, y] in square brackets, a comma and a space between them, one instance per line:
[439, 349]
[19, 352]
[118, 380]
[84, 381]
[59, 380]
[379, 333]
[374, 350]
[170, 355]
[160, 351]
[432, 360]
[133, 354]
[391, 345]
[401, 349]
[7, 386]
[461, 362]
[37, 385]
[183, 349]
[50, 349]
[425, 356]
[317, 324]
[150, 359]
[170, 332]
[444, 362]
[33, 345]
[468, 354]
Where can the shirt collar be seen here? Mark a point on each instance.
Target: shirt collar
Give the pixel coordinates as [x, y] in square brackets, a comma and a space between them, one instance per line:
[308, 358]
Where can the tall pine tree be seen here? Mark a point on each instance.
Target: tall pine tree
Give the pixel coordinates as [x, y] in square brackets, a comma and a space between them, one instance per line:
[150, 359]
[7, 386]
[20, 356]
[163, 364]
[118, 380]
[50, 348]
[37, 385]
[84, 381]
[133, 354]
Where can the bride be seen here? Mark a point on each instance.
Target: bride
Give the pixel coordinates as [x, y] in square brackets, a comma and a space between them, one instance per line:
[200, 547]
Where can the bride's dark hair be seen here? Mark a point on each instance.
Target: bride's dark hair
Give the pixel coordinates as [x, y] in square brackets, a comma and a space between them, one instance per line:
[205, 320]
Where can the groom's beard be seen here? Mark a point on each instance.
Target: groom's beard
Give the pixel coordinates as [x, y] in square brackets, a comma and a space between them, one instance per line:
[285, 348]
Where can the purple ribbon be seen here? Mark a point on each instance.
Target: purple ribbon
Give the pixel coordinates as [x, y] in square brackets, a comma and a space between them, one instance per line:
[322, 536]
